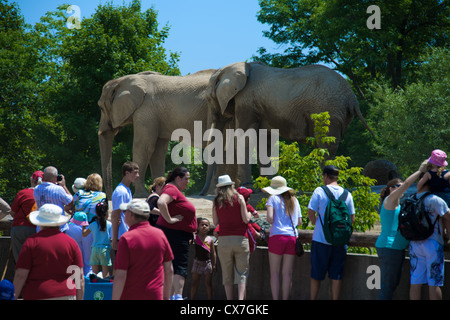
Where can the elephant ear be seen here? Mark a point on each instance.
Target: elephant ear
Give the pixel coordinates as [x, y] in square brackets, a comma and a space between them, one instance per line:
[126, 98]
[228, 81]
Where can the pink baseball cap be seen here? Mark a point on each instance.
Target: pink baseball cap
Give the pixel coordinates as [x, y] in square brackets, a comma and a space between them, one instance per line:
[37, 174]
[438, 158]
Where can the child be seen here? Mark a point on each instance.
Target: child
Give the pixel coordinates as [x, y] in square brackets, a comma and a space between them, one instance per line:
[101, 229]
[205, 258]
[437, 175]
[246, 194]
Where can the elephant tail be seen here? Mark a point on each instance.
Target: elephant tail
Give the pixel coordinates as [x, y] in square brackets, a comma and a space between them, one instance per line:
[360, 116]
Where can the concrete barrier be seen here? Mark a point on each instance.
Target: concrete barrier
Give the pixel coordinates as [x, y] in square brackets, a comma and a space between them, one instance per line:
[358, 279]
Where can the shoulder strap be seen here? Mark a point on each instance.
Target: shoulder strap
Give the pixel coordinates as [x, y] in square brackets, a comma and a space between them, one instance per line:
[328, 192]
[344, 195]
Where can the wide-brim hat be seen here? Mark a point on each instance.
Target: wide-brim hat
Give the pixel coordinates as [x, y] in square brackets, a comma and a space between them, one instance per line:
[278, 185]
[137, 206]
[224, 180]
[438, 158]
[48, 215]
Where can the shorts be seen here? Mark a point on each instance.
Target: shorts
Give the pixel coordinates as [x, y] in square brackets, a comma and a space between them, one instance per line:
[427, 262]
[282, 244]
[202, 267]
[179, 243]
[327, 258]
[100, 256]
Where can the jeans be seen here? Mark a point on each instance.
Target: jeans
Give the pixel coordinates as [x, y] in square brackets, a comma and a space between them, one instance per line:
[391, 263]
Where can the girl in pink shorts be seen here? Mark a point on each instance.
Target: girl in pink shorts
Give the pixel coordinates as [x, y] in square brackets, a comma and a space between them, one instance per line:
[284, 214]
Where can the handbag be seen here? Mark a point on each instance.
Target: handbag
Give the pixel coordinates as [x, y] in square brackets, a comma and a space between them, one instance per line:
[299, 251]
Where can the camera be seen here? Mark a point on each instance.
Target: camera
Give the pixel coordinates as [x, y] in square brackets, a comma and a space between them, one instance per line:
[59, 178]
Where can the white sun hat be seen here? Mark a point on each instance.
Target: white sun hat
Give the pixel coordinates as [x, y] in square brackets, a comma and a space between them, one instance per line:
[278, 185]
[49, 215]
[224, 180]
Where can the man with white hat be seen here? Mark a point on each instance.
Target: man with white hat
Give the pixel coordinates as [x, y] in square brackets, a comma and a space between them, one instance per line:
[143, 266]
[44, 269]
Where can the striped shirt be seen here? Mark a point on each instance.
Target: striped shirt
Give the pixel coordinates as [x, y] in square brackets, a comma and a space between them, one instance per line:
[48, 192]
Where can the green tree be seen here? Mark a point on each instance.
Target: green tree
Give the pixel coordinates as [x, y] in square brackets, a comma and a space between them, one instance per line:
[335, 32]
[21, 116]
[115, 41]
[304, 174]
[413, 121]
[51, 78]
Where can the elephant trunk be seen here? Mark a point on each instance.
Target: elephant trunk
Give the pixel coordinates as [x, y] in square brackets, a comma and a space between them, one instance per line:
[106, 142]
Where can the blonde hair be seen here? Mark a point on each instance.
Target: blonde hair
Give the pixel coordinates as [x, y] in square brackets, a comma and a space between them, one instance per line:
[94, 182]
[160, 181]
[439, 169]
[289, 201]
[224, 195]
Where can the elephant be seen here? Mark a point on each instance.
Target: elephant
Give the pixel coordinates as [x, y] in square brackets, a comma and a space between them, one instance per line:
[240, 95]
[157, 105]
[381, 170]
[284, 99]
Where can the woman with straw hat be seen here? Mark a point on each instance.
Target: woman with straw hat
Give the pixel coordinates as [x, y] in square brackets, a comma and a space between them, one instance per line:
[284, 214]
[230, 211]
[45, 258]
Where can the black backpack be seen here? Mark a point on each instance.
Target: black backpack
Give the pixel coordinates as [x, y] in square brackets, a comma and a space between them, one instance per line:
[414, 221]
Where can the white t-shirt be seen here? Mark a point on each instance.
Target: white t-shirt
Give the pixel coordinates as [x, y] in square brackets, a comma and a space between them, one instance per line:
[318, 203]
[436, 207]
[122, 194]
[281, 221]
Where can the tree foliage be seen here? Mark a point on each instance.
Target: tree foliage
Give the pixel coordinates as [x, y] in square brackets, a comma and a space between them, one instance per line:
[49, 110]
[335, 32]
[304, 174]
[414, 121]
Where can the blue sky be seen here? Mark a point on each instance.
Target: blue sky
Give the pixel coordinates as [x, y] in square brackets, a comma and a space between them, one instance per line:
[206, 33]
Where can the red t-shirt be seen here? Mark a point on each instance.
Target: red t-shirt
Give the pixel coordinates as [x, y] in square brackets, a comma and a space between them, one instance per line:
[141, 252]
[22, 204]
[48, 254]
[230, 219]
[179, 205]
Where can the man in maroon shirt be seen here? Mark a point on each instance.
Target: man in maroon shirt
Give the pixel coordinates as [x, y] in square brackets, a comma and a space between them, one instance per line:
[143, 266]
[47, 260]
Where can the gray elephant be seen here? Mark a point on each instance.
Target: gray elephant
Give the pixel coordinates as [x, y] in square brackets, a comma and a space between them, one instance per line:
[381, 170]
[157, 105]
[241, 95]
[284, 99]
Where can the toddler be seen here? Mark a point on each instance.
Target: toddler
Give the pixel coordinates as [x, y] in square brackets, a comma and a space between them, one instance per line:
[437, 175]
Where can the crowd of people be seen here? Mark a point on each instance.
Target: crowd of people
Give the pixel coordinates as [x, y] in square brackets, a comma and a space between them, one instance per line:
[146, 242]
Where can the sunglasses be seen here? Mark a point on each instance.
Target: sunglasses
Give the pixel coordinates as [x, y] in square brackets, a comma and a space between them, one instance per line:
[396, 186]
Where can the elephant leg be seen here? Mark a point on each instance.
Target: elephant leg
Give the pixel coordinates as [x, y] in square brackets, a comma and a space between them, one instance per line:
[158, 158]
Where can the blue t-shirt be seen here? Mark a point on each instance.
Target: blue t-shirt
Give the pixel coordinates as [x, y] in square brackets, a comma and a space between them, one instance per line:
[390, 237]
[101, 239]
[281, 221]
[122, 194]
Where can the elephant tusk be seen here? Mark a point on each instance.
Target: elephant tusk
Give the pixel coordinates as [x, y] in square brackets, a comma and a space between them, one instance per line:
[100, 132]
